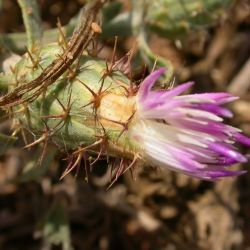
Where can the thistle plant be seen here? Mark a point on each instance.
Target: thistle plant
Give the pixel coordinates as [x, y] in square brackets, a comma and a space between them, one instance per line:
[87, 107]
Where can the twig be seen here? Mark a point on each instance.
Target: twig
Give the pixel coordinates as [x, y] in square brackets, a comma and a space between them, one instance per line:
[241, 82]
[32, 21]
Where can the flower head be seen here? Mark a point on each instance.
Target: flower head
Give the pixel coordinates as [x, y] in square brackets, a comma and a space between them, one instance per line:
[185, 133]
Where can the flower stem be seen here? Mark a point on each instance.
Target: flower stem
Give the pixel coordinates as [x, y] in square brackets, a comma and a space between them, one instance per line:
[120, 26]
[16, 42]
[32, 21]
[139, 31]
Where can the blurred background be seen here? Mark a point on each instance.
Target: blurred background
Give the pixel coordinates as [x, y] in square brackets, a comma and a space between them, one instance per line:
[204, 41]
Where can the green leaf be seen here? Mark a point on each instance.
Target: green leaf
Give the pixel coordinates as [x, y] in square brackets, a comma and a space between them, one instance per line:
[111, 10]
[6, 142]
[56, 230]
[119, 26]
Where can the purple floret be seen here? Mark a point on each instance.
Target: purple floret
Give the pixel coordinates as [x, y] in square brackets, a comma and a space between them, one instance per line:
[186, 133]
